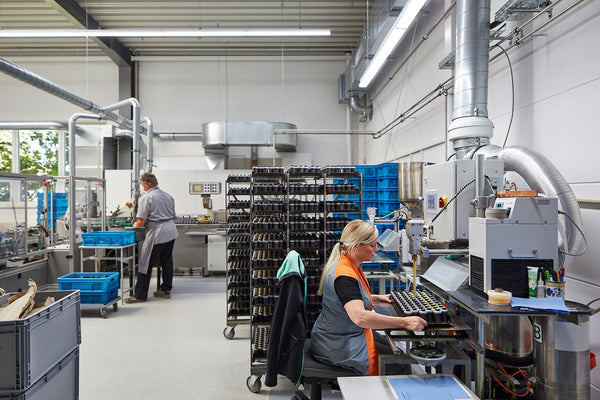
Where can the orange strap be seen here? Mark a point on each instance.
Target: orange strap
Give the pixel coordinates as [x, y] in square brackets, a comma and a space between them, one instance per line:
[347, 268]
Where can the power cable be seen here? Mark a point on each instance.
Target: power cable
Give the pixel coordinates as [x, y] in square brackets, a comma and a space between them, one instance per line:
[451, 200]
[580, 231]
[512, 103]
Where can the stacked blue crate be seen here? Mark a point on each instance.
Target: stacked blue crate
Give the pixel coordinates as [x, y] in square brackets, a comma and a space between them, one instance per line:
[387, 188]
[369, 190]
[369, 187]
[57, 206]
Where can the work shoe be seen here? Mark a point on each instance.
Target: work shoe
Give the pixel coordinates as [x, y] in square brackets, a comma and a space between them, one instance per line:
[162, 294]
[132, 300]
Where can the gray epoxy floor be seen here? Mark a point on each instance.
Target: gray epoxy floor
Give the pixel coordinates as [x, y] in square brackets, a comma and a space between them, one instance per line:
[170, 349]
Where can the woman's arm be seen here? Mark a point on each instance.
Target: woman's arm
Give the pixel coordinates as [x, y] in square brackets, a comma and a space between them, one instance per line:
[383, 298]
[372, 320]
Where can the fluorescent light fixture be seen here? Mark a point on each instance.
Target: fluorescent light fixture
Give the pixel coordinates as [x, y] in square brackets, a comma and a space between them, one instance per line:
[403, 21]
[162, 33]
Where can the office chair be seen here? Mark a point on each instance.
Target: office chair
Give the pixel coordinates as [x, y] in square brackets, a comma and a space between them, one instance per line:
[315, 374]
[289, 351]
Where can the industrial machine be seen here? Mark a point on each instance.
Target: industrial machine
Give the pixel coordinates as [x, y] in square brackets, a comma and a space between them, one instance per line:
[483, 235]
[517, 232]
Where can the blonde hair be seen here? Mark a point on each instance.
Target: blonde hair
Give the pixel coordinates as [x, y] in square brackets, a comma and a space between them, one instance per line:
[355, 232]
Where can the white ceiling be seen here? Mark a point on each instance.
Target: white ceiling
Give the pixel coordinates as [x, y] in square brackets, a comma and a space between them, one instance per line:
[345, 18]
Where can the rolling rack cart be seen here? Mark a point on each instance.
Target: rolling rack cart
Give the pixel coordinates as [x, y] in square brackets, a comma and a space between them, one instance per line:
[305, 194]
[267, 251]
[305, 210]
[238, 253]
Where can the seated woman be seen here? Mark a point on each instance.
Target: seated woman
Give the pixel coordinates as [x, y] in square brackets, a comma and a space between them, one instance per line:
[343, 333]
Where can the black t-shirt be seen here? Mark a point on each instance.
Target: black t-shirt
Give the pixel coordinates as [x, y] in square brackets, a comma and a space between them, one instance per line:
[347, 289]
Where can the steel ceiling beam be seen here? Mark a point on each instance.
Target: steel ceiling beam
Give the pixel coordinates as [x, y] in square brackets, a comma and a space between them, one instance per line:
[113, 48]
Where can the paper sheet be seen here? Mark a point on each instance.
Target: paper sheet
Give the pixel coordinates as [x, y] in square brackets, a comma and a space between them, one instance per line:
[428, 388]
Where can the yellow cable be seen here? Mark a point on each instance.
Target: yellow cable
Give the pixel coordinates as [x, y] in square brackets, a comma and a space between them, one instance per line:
[415, 276]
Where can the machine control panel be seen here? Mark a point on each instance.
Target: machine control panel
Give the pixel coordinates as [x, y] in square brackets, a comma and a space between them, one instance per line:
[205, 187]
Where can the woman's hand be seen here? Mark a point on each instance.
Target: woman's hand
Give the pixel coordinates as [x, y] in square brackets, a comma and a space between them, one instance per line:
[384, 298]
[414, 323]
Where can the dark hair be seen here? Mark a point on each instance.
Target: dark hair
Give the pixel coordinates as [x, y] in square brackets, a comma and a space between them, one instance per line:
[149, 178]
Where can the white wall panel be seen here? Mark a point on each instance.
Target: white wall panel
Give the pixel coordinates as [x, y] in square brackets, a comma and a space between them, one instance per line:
[95, 79]
[299, 91]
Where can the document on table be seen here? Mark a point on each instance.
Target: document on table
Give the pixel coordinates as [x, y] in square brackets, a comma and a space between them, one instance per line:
[428, 388]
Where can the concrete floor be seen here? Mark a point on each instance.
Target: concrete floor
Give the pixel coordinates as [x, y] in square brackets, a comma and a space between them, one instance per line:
[170, 349]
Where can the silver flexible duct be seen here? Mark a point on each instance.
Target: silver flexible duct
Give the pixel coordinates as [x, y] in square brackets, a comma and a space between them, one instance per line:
[541, 175]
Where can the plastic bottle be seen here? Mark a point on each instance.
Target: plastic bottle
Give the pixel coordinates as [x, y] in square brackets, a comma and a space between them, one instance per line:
[541, 289]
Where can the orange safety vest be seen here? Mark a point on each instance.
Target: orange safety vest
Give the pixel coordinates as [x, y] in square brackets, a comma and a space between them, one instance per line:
[347, 268]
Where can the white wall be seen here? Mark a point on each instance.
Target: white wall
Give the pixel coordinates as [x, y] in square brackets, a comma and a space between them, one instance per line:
[95, 79]
[557, 81]
[298, 90]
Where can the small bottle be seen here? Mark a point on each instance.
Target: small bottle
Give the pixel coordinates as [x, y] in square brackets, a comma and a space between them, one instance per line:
[541, 289]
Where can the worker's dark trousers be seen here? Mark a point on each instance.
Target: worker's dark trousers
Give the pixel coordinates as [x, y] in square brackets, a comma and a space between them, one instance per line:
[162, 256]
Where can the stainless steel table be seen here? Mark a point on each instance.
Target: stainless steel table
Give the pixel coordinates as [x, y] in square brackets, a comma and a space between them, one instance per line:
[378, 387]
[477, 304]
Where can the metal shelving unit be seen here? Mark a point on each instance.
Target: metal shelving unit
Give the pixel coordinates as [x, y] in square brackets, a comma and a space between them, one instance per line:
[305, 197]
[238, 260]
[305, 210]
[267, 248]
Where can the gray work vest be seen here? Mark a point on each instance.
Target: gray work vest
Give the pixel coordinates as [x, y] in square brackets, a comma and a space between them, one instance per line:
[335, 339]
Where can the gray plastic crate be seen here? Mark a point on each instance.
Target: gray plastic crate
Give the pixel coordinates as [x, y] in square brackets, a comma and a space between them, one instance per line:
[60, 383]
[31, 347]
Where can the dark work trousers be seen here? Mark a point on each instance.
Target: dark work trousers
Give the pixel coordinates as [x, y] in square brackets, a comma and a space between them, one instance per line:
[162, 256]
[384, 348]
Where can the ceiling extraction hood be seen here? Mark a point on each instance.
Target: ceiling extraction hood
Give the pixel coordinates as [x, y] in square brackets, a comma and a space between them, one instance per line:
[218, 135]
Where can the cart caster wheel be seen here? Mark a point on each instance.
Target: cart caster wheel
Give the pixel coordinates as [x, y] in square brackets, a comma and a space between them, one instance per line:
[253, 383]
[229, 333]
[115, 307]
[103, 313]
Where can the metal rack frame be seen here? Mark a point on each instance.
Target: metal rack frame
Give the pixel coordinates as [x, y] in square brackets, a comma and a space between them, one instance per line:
[237, 293]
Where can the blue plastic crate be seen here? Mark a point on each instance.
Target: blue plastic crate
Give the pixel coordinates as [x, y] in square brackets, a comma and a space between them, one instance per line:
[369, 195]
[99, 297]
[391, 255]
[108, 238]
[387, 195]
[370, 183]
[60, 203]
[57, 195]
[367, 171]
[387, 170]
[89, 281]
[367, 204]
[387, 183]
[386, 207]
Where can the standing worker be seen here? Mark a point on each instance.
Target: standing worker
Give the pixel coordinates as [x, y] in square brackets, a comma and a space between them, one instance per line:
[343, 334]
[156, 212]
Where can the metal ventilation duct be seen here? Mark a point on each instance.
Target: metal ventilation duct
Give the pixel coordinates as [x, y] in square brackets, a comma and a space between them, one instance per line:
[219, 135]
[470, 126]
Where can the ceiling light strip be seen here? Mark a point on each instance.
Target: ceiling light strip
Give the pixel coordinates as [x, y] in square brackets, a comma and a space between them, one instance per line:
[403, 21]
[162, 33]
